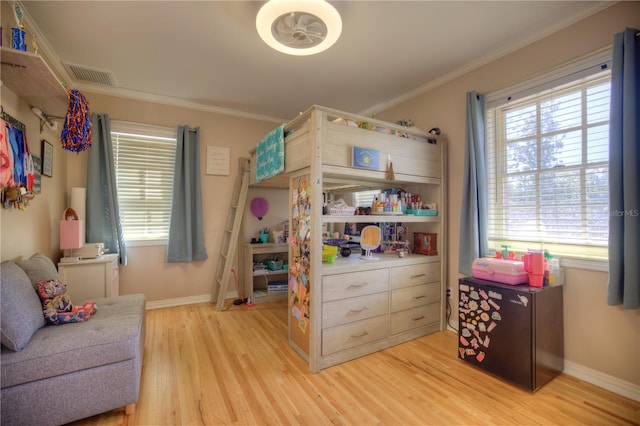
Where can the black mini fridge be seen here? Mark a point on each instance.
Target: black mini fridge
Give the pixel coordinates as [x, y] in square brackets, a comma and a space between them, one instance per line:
[514, 332]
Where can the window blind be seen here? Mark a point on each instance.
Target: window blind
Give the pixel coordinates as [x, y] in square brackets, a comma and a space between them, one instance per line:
[144, 162]
[547, 163]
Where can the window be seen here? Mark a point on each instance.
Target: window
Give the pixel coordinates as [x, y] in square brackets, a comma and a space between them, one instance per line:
[547, 155]
[144, 161]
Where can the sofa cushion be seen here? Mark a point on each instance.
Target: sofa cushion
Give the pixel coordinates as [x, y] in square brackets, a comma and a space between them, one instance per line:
[39, 267]
[21, 308]
[112, 335]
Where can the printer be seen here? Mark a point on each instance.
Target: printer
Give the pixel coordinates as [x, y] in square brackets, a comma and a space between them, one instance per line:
[89, 251]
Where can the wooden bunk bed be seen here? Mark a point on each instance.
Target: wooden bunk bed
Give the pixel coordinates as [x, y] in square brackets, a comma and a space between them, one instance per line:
[342, 310]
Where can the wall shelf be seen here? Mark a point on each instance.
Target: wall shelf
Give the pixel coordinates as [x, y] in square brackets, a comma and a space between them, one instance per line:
[29, 77]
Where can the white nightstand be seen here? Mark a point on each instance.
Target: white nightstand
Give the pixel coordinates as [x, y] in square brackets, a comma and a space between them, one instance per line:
[90, 279]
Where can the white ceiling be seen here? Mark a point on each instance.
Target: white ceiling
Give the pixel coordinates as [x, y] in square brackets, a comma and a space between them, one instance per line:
[207, 54]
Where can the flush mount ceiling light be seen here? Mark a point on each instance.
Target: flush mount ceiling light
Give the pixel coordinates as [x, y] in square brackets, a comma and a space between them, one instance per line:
[299, 27]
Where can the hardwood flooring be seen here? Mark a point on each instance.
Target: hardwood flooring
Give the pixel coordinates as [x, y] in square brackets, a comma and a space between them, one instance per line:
[204, 367]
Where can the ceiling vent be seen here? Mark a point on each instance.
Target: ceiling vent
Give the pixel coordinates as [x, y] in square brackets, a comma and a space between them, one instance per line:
[91, 75]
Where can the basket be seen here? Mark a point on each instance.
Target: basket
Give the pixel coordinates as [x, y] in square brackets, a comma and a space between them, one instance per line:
[277, 287]
[275, 265]
[422, 212]
[348, 211]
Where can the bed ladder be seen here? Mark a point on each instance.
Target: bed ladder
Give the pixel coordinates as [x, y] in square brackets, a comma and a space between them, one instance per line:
[231, 232]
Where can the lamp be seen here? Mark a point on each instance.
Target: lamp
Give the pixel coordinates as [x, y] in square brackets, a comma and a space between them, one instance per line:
[299, 27]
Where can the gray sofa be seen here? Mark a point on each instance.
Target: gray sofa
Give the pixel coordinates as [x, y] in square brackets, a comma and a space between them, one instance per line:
[56, 374]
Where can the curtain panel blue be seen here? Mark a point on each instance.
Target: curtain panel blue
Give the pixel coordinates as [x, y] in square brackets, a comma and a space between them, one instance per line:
[624, 172]
[103, 212]
[473, 216]
[186, 232]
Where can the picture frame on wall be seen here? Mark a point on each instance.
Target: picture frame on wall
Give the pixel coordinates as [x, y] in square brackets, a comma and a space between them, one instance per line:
[47, 158]
[37, 168]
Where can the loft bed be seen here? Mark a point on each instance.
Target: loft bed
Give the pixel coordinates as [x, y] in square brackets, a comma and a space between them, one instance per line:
[330, 136]
[324, 152]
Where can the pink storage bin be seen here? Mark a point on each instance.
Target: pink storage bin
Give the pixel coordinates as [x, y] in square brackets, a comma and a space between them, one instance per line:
[500, 270]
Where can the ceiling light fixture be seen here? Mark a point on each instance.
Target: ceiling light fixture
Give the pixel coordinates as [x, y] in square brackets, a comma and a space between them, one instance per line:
[299, 27]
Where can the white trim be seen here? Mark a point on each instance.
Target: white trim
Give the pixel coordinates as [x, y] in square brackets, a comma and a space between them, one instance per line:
[574, 70]
[605, 381]
[146, 243]
[189, 300]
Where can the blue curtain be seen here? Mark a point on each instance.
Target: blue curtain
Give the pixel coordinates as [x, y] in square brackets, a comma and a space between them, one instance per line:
[103, 212]
[473, 217]
[624, 172]
[186, 233]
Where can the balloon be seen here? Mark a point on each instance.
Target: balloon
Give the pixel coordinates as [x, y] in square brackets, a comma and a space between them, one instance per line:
[259, 207]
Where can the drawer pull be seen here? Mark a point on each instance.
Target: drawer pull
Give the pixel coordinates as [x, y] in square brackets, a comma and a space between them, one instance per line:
[420, 297]
[421, 317]
[358, 285]
[355, 311]
[357, 336]
[418, 276]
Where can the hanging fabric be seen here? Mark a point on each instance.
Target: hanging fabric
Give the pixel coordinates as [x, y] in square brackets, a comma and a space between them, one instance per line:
[186, 230]
[17, 173]
[6, 157]
[103, 211]
[473, 216]
[624, 172]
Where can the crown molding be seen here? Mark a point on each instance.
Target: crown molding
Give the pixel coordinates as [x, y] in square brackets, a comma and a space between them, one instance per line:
[53, 60]
[473, 65]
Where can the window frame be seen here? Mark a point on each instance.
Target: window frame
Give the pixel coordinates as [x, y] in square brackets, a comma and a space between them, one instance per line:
[584, 256]
[149, 132]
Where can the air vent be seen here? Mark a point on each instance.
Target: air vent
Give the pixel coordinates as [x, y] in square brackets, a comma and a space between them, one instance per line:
[91, 75]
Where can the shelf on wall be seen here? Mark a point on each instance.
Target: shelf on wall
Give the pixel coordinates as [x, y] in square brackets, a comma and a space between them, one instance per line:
[29, 77]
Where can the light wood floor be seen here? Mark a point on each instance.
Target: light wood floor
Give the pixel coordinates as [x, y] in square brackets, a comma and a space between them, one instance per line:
[204, 367]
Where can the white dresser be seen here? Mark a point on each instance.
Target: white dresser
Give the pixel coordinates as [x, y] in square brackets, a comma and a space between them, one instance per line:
[90, 279]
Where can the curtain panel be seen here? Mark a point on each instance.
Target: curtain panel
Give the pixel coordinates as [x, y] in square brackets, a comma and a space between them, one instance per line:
[103, 212]
[474, 209]
[624, 172]
[186, 231]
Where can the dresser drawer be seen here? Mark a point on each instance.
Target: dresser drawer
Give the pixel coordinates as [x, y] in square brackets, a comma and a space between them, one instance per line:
[410, 297]
[343, 337]
[406, 276]
[414, 318]
[354, 309]
[352, 284]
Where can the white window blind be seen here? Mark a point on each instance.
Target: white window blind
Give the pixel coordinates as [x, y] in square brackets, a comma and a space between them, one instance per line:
[144, 161]
[547, 163]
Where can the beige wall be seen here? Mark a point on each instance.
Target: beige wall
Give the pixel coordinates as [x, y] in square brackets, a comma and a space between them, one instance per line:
[597, 336]
[36, 229]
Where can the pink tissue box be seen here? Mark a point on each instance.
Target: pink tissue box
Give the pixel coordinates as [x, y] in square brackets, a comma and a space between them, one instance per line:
[500, 270]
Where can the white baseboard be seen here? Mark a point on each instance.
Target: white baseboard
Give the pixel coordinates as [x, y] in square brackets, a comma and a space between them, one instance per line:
[594, 377]
[168, 303]
[605, 381]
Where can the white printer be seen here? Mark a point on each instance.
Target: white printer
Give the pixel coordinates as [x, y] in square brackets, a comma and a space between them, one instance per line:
[89, 251]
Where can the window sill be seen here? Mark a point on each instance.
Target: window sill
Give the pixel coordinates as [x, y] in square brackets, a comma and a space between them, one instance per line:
[593, 264]
[146, 243]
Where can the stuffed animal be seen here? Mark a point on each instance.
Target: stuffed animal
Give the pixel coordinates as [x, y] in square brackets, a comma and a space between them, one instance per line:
[57, 306]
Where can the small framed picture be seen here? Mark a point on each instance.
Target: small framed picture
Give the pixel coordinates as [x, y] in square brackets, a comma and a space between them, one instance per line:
[47, 158]
[37, 169]
[366, 158]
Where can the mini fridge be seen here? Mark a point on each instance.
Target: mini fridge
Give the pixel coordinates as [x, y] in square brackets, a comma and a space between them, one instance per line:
[512, 331]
